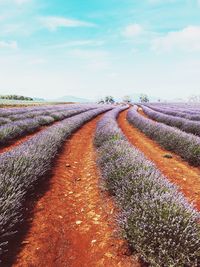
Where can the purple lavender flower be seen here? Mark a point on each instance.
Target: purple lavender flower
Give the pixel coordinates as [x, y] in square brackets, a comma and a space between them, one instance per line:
[155, 217]
[22, 168]
[184, 144]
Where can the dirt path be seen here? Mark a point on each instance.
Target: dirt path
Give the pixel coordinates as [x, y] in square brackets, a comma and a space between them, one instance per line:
[73, 222]
[176, 170]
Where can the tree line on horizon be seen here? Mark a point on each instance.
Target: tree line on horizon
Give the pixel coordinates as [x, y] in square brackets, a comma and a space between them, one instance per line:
[16, 97]
[126, 99]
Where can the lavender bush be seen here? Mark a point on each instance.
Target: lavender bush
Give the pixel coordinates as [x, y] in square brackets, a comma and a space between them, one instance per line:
[177, 112]
[31, 112]
[181, 123]
[155, 217]
[184, 144]
[112, 133]
[34, 114]
[19, 128]
[45, 120]
[4, 121]
[23, 167]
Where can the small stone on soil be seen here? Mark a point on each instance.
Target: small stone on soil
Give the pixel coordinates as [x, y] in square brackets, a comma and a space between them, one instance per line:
[168, 156]
[25, 242]
[68, 165]
[109, 255]
[78, 222]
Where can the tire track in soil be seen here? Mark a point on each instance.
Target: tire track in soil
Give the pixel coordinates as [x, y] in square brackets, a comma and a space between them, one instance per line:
[175, 169]
[73, 223]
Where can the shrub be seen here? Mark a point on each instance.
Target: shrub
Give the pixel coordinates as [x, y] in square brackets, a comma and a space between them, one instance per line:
[184, 144]
[22, 168]
[155, 218]
[22, 127]
[181, 123]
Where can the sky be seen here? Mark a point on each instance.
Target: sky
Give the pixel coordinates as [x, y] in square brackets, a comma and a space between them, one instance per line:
[93, 48]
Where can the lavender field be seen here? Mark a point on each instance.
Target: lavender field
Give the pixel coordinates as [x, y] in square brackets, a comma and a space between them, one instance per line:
[157, 207]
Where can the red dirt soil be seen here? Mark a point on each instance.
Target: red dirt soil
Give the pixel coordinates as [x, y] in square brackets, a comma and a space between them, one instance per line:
[175, 169]
[73, 222]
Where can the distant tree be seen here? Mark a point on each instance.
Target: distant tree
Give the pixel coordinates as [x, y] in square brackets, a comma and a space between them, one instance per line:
[109, 100]
[101, 101]
[194, 98]
[127, 99]
[106, 100]
[144, 98]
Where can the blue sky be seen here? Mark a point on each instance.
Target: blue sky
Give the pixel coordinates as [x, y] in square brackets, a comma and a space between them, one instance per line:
[91, 48]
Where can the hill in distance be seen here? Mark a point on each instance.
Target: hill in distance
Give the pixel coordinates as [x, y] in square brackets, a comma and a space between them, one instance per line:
[70, 98]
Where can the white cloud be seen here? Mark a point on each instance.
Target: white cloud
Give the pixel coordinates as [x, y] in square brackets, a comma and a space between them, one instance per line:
[9, 45]
[52, 23]
[20, 2]
[161, 1]
[92, 59]
[37, 61]
[16, 2]
[88, 54]
[132, 30]
[78, 43]
[187, 39]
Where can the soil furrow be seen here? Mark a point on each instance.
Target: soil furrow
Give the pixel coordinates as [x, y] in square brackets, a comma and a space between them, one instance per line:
[72, 222]
[175, 169]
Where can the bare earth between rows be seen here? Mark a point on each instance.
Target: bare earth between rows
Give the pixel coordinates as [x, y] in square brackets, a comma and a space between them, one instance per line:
[73, 222]
[176, 170]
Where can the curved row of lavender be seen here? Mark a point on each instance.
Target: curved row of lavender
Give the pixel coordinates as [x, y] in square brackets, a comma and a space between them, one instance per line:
[185, 125]
[177, 108]
[184, 144]
[28, 113]
[155, 218]
[22, 169]
[184, 107]
[177, 112]
[4, 120]
[5, 112]
[16, 129]
[43, 112]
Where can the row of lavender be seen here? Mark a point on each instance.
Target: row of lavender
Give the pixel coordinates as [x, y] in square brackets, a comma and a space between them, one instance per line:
[184, 144]
[23, 167]
[185, 107]
[33, 114]
[155, 217]
[6, 112]
[10, 115]
[193, 115]
[181, 123]
[16, 129]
